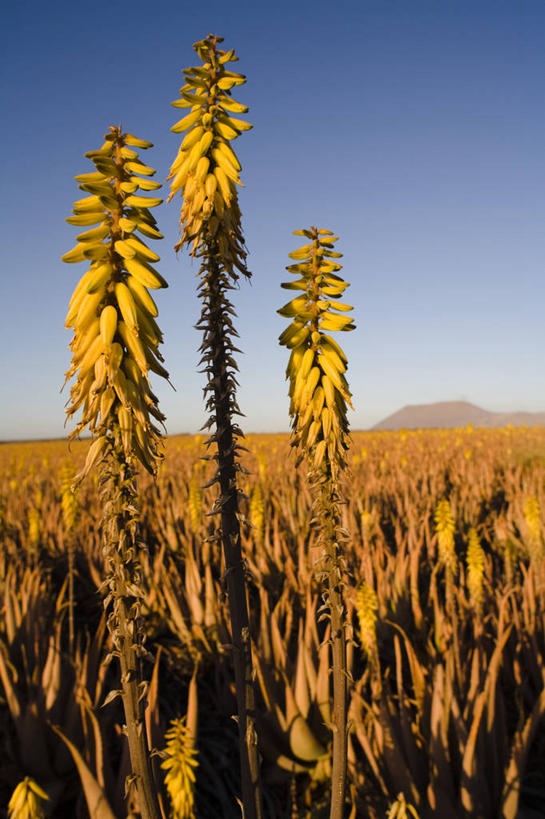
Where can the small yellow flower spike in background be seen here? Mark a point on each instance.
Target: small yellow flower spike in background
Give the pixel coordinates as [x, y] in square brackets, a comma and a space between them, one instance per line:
[444, 527]
[181, 757]
[180, 762]
[366, 609]
[27, 800]
[69, 499]
[534, 536]
[475, 561]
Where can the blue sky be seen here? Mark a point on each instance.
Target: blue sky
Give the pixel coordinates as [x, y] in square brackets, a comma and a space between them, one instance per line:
[414, 130]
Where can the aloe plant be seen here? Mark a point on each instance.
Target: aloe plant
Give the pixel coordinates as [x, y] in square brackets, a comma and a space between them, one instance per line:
[206, 173]
[115, 346]
[319, 399]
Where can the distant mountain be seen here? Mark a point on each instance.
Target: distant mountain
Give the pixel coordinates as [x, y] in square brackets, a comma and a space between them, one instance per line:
[455, 414]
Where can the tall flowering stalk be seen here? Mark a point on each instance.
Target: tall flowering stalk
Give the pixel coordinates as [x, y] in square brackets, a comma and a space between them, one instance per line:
[206, 172]
[320, 397]
[115, 346]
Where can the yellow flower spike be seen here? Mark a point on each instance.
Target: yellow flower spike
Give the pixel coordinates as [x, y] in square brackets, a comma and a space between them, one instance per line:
[206, 175]
[366, 608]
[532, 519]
[257, 512]
[27, 801]
[532, 516]
[195, 500]
[444, 527]
[475, 569]
[34, 528]
[111, 311]
[180, 774]
[206, 160]
[69, 499]
[317, 365]
[401, 809]
[316, 374]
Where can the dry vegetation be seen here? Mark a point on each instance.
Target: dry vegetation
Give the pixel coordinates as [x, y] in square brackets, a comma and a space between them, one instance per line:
[446, 596]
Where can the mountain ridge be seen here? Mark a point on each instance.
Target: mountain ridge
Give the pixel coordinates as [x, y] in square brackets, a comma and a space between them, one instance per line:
[449, 414]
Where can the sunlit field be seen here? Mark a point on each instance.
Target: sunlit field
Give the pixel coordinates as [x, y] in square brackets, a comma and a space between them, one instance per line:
[445, 596]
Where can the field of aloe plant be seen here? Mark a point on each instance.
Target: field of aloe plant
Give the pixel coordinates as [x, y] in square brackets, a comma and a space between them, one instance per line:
[445, 596]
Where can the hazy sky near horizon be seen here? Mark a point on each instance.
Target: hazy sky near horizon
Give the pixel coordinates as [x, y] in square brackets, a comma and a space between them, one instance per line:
[414, 130]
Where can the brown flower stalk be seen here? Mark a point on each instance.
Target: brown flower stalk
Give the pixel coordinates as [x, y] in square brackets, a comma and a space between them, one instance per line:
[319, 398]
[115, 345]
[206, 172]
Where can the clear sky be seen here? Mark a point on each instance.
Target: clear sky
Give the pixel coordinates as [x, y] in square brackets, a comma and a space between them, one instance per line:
[414, 129]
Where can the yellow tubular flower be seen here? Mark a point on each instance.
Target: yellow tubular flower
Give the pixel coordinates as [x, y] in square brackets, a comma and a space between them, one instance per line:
[401, 809]
[34, 527]
[27, 801]
[69, 500]
[366, 608]
[116, 338]
[475, 569]
[444, 527]
[316, 369]
[180, 763]
[534, 537]
[195, 500]
[532, 517]
[257, 513]
[206, 170]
